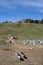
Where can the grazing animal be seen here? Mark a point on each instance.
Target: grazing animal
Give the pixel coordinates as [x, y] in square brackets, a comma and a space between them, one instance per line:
[19, 56]
[11, 38]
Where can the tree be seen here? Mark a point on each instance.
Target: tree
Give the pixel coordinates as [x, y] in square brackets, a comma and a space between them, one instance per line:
[41, 21]
[6, 21]
[19, 22]
[32, 21]
[36, 21]
[27, 20]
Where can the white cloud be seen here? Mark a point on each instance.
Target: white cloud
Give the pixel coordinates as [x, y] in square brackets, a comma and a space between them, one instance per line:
[37, 3]
[41, 11]
[25, 3]
[5, 4]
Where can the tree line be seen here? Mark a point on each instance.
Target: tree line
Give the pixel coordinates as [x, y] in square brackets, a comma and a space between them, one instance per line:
[33, 21]
[27, 21]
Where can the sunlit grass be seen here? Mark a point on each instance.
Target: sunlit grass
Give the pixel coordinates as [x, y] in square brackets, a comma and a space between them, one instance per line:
[27, 31]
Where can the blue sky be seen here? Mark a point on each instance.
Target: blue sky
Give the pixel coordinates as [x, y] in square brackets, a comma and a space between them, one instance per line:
[14, 10]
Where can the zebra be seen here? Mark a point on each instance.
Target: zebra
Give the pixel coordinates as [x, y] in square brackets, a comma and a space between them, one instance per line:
[19, 55]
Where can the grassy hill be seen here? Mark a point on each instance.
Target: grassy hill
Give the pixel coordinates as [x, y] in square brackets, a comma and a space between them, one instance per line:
[22, 31]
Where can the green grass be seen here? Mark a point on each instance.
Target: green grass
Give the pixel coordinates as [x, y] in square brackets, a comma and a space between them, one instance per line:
[22, 31]
[2, 42]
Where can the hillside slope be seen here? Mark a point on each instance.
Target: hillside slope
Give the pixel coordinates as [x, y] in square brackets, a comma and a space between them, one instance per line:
[22, 31]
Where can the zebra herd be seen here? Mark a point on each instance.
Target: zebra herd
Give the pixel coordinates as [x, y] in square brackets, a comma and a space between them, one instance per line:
[33, 42]
[22, 55]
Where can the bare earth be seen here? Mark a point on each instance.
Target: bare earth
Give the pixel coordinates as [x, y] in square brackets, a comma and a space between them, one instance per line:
[34, 54]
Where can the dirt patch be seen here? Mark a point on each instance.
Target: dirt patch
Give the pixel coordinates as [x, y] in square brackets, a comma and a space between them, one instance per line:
[7, 56]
